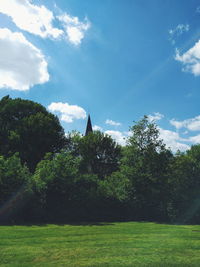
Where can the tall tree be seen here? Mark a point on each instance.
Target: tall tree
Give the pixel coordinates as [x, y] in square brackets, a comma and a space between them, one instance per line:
[146, 163]
[28, 128]
[99, 153]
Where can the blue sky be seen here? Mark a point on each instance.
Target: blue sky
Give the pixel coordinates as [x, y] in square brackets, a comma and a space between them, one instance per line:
[115, 59]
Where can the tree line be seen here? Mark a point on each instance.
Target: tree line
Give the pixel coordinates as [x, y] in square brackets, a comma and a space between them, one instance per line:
[47, 176]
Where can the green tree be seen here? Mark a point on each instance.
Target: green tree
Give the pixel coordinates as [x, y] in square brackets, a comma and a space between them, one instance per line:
[15, 187]
[100, 154]
[184, 201]
[28, 128]
[62, 192]
[73, 140]
[146, 163]
[54, 182]
[115, 187]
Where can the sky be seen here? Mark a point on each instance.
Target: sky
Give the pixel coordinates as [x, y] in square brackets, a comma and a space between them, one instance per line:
[116, 60]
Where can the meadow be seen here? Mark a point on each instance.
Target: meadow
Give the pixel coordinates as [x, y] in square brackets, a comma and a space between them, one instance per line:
[101, 244]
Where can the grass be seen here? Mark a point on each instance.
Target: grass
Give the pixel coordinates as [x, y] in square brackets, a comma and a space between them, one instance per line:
[112, 244]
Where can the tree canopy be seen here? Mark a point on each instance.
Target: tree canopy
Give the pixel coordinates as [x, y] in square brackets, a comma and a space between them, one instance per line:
[100, 154]
[28, 128]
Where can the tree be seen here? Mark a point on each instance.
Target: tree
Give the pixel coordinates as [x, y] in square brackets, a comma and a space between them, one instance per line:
[184, 201]
[54, 182]
[15, 187]
[61, 191]
[146, 163]
[100, 154]
[145, 137]
[28, 128]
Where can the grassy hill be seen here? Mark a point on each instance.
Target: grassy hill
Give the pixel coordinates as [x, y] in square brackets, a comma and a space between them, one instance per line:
[112, 244]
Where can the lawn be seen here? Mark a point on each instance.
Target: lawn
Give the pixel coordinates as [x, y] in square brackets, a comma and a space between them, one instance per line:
[111, 244]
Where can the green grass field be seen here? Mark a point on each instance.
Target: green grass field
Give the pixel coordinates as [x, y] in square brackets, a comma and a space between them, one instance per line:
[112, 244]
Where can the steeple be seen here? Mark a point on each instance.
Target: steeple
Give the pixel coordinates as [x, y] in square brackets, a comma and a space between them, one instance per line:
[89, 126]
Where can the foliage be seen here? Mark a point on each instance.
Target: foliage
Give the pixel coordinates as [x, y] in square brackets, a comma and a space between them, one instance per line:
[145, 137]
[54, 182]
[145, 163]
[15, 187]
[184, 203]
[28, 128]
[92, 177]
[115, 187]
[100, 154]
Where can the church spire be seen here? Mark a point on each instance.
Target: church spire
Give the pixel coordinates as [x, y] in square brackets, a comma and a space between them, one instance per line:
[89, 126]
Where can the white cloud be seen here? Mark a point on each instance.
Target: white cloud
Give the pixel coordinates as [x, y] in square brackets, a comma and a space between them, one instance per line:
[113, 123]
[74, 28]
[173, 140]
[190, 59]
[117, 136]
[129, 133]
[68, 112]
[155, 117]
[31, 18]
[22, 65]
[97, 128]
[195, 139]
[177, 124]
[192, 124]
[39, 20]
[177, 31]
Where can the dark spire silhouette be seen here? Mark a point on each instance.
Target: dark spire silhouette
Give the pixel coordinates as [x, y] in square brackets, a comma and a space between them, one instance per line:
[89, 126]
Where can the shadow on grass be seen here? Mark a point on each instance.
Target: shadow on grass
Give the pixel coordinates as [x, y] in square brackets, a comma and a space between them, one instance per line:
[86, 223]
[57, 223]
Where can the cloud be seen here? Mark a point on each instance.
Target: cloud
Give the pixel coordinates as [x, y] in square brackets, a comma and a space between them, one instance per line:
[192, 124]
[155, 117]
[190, 59]
[31, 18]
[195, 139]
[22, 65]
[74, 28]
[177, 124]
[113, 123]
[173, 140]
[177, 31]
[97, 128]
[68, 112]
[119, 137]
[39, 20]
